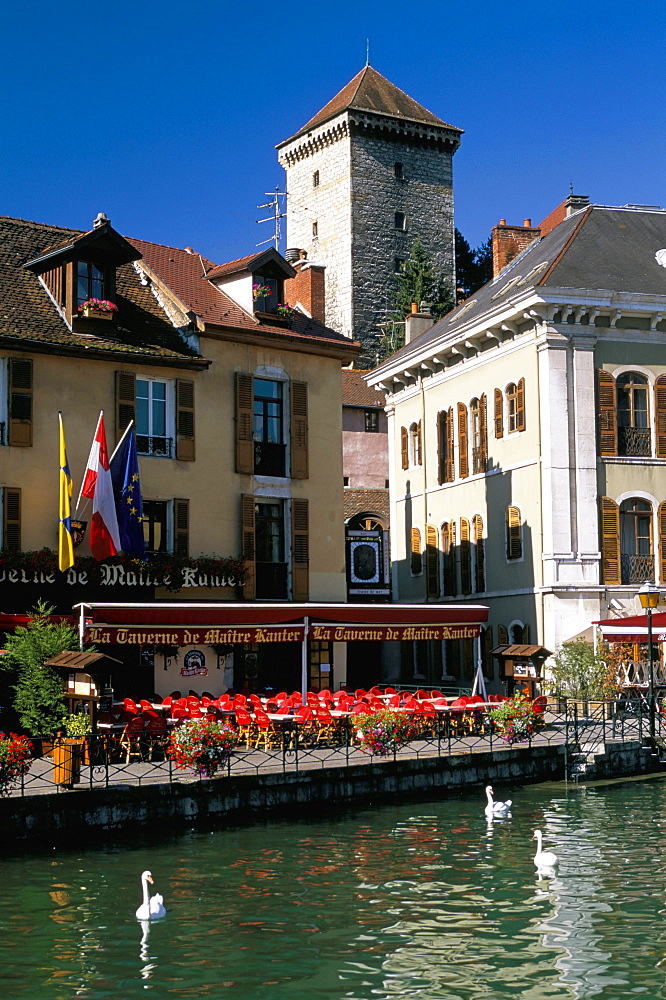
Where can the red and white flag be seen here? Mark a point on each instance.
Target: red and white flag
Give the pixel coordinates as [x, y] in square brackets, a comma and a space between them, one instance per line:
[104, 536]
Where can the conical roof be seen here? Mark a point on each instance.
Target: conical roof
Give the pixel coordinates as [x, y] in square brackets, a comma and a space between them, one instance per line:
[370, 91]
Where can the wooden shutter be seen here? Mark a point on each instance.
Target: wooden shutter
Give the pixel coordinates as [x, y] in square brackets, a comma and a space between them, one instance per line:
[20, 403]
[465, 557]
[610, 541]
[661, 522]
[298, 398]
[248, 551]
[125, 401]
[432, 561]
[11, 519]
[526, 635]
[300, 544]
[468, 658]
[245, 427]
[483, 431]
[480, 564]
[502, 636]
[607, 413]
[514, 547]
[463, 458]
[499, 418]
[185, 420]
[660, 420]
[415, 544]
[419, 450]
[181, 527]
[441, 437]
[449, 550]
[404, 447]
[450, 469]
[487, 647]
[520, 405]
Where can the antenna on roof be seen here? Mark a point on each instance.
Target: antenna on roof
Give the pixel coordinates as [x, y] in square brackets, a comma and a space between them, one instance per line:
[367, 52]
[275, 217]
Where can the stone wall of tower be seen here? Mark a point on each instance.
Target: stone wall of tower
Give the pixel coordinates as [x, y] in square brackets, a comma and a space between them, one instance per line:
[421, 189]
[323, 152]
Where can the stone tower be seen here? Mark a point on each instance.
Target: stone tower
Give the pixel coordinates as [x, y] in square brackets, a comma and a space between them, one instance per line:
[367, 175]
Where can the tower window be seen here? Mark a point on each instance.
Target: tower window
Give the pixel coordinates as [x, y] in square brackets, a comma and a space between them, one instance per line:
[315, 230]
[372, 421]
[400, 221]
[398, 264]
[315, 179]
[399, 171]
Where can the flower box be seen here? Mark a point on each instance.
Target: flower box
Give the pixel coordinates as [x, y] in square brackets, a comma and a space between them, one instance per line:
[98, 309]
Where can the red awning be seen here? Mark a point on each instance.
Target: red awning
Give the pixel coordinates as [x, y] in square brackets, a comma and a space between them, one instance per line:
[633, 628]
[226, 622]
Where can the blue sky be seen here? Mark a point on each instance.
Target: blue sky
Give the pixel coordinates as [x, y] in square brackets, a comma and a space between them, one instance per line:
[165, 115]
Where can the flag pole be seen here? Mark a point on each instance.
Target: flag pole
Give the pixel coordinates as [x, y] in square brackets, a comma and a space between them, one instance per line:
[125, 433]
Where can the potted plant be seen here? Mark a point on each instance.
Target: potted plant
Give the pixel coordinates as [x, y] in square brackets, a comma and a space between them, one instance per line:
[514, 720]
[582, 674]
[15, 759]
[285, 312]
[383, 733]
[78, 728]
[259, 294]
[98, 308]
[202, 746]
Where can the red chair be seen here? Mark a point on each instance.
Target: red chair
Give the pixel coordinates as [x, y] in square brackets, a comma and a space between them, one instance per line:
[241, 700]
[243, 722]
[362, 708]
[131, 739]
[156, 732]
[305, 727]
[193, 702]
[266, 733]
[130, 706]
[539, 706]
[436, 694]
[390, 690]
[206, 701]
[377, 691]
[393, 701]
[166, 702]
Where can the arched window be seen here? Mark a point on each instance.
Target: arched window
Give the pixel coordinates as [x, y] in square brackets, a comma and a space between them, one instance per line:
[478, 427]
[515, 404]
[636, 548]
[416, 557]
[448, 536]
[633, 428]
[445, 467]
[514, 534]
[463, 457]
[432, 561]
[465, 557]
[415, 444]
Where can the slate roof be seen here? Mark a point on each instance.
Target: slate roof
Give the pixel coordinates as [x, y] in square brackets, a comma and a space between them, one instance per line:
[28, 315]
[370, 91]
[599, 247]
[357, 392]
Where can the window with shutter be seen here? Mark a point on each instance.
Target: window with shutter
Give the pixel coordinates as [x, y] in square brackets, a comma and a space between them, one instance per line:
[125, 401]
[468, 658]
[607, 415]
[416, 558]
[404, 447]
[11, 519]
[502, 636]
[300, 550]
[610, 541]
[661, 520]
[660, 416]
[248, 546]
[419, 445]
[463, 460]
[299, 430]
[499, 419]
[448, 535]
[465, 557]
[486, 653]
[450, 467]
[20, 403]
[181, 527]
[514, 541]
[244, 425]
[477, 412]
[185, 420]
[480, 561]
[520, 405]
[432, 561]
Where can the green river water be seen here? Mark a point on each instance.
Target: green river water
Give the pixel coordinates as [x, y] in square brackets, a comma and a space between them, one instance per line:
[425, 901]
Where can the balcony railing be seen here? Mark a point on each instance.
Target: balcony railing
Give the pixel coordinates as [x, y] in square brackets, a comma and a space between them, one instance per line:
[156, 447]
[634, 441]
[637, 569]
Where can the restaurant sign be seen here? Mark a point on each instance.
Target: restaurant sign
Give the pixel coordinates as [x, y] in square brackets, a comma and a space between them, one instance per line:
[220, 635]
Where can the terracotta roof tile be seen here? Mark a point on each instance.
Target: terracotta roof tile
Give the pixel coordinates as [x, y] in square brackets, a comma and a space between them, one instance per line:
[242, 264]
[370, 91]
[357, 392]
[358, 501]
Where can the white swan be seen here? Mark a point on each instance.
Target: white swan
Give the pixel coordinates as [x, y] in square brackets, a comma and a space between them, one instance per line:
[496, 808]
[543, 859]
[152, 907]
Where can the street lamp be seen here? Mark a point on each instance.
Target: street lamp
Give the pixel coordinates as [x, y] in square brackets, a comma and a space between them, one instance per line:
[649, 598]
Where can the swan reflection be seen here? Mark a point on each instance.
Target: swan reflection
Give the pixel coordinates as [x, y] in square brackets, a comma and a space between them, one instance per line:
[148, 967]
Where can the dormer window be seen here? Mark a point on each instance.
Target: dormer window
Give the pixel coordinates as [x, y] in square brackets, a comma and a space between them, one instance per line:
[89, 282]
[266, 293]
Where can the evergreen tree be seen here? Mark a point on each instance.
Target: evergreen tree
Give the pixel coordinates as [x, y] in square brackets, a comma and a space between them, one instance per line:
[38, 689]
[473, 267]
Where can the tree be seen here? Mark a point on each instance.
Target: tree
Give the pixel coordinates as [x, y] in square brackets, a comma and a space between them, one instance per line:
[38, 689]
[583, 673]
[418, 281]
[473, 267]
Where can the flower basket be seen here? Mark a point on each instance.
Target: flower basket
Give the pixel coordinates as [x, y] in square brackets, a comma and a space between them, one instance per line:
[382, 733]
[15, 759]
[98, 309]
[202, 746]
[515, 720]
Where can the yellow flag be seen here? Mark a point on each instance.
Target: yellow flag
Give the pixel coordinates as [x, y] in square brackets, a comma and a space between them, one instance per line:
[65, 543]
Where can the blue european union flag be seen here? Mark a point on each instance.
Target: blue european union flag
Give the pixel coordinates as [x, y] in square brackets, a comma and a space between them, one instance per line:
[124, 466]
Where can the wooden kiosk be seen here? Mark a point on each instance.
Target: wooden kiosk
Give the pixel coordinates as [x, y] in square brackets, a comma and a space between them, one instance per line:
[521, 667]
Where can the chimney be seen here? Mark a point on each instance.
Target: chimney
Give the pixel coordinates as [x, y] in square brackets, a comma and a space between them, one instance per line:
[101, 220]
[509, 241]
[417, 321]
[307, 287]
